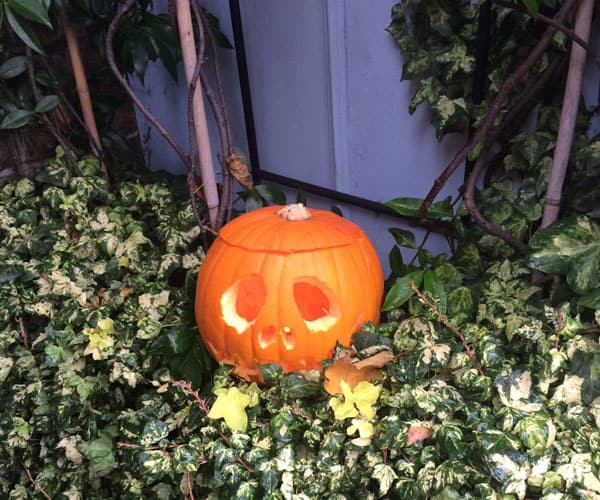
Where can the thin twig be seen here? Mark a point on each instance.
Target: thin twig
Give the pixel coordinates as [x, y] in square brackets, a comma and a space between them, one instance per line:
[219, 110]
[34, 482]
[525, 105]
[486, 225]
[110, 56]
[495, 107]
[444, 319]
[24, 335]
[188, 481]
[559, 26]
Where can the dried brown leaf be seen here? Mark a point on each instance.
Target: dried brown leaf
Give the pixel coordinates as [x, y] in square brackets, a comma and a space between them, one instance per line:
[344, 369]
[418, 433]
[239, 170]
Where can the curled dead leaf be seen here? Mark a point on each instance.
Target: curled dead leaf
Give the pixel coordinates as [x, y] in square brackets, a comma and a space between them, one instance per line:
[344, 369]
[378, 360]
[239, 170]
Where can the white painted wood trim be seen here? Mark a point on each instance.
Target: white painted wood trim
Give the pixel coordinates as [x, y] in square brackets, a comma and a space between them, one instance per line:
[334, 14]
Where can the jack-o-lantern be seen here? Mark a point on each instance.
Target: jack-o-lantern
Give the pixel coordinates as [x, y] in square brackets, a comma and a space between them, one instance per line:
[283, 285]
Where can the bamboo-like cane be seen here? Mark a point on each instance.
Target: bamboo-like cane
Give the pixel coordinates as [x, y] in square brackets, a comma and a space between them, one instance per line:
[207, 169]
[82, 89]
[568, 115]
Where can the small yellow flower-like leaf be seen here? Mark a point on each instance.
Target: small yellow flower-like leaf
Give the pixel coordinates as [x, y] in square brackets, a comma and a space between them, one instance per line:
[106, 326]
[98, 345]
[342, 409]
[360, 399]
[230, 405]
[365, 394]
[365, 428]
[365, 431]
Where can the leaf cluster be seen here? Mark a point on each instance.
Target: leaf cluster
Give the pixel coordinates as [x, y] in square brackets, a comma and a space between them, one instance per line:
[96, 293]
[96, 290]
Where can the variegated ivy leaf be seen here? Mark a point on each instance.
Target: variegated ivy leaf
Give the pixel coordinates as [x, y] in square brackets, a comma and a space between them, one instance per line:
[571, 247]
[514, 391]
[385, 475]
[154, 304]
[5, 366]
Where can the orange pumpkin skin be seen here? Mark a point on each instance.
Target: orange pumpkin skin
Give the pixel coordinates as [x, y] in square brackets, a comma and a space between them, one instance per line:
[272, 290]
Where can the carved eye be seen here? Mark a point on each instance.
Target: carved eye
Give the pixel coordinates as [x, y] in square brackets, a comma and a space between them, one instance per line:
[316, 303]
[242, 301]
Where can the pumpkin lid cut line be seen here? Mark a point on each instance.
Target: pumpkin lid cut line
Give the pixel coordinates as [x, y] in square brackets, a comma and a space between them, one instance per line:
[289, 251]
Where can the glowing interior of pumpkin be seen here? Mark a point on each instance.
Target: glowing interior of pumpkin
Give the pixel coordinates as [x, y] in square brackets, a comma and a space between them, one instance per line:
[242, 302]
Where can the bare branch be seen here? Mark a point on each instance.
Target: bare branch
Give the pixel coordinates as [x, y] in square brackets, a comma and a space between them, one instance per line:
[110, 56]
[495, 107]
[571, 34]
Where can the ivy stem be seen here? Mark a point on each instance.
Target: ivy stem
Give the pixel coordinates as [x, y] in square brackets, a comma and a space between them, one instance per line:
[24, 335]
[188, 481]
[571, 34]
[444, 319]
[35, 483]
[495, 107]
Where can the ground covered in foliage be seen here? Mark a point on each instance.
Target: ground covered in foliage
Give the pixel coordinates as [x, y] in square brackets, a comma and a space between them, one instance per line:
[489, 391]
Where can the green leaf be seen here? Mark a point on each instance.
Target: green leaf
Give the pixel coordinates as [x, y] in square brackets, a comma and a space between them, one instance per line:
[214, 29]
[14, 67]
[272, 195]
[403, 238]
[298, 386]
[590, 299]
[460, 300]
[154, 431]
[410, 207]
[572, 247]
[23, 31]
[301, 196]
[435, 287]
[99, 452]
[16, 119]
[253, 201]
[396, 261]
[401, 291]
[47, 103]
[33, 10]
[532, 6]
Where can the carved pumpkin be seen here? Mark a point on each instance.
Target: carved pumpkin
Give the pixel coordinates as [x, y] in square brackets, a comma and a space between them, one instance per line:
[282, 285]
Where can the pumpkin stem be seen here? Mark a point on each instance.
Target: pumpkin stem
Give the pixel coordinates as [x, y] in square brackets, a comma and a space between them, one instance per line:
[294, 212]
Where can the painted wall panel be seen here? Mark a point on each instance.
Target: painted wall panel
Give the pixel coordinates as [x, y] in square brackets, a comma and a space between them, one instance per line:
[330, 106]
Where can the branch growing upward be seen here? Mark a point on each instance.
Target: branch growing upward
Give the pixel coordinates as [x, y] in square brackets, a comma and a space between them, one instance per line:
[483, 131]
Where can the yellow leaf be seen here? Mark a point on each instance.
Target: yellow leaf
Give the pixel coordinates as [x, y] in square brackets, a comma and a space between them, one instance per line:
[106, 326]
[361, 399]
[230, 405]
